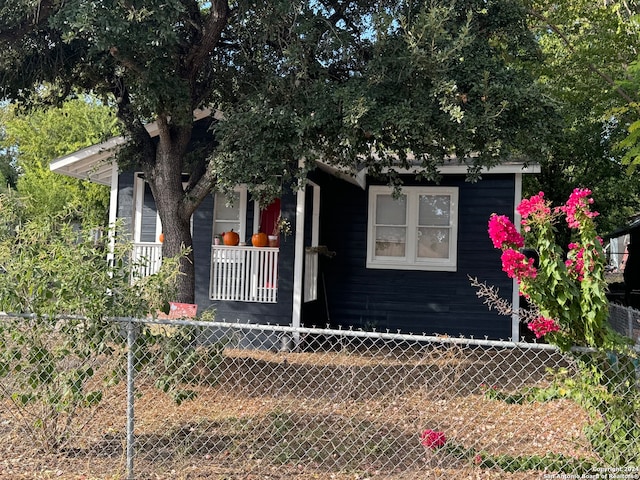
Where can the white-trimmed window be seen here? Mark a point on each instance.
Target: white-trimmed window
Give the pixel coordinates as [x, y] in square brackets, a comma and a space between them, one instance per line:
[417, 230]
[230, 215]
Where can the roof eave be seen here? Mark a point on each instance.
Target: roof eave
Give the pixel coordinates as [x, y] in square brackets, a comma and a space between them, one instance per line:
[95, 163]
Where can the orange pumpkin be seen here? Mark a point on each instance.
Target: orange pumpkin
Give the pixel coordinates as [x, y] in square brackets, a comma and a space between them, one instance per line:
[231, 238]
[161, 238]
[260, 239]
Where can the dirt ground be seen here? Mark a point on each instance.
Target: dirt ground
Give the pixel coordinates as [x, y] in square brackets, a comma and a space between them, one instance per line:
[325, 416]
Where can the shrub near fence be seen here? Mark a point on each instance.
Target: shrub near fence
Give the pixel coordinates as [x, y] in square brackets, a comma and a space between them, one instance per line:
[226, 401]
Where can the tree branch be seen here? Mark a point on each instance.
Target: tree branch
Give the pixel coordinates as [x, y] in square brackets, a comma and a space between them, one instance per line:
[126, 62]
[44, 10]
[195, 193]
[212, 29]
[132, 123]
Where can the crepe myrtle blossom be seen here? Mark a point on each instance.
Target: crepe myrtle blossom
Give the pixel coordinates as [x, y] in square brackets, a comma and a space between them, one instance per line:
[433, 439]
[534, 209]
[516, 265]
[503, 233]
[575, 261]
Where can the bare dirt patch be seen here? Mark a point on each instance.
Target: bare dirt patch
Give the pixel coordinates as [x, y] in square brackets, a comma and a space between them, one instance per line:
[330, 415]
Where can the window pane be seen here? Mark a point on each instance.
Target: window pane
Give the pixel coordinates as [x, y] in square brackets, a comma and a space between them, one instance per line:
[391, 211]
[434, 210]
[227, 217]
[390, 241]
[149, 218]
[227, 212]
[433, 243]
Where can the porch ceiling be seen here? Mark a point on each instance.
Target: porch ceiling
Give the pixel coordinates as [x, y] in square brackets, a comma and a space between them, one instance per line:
[93, 163]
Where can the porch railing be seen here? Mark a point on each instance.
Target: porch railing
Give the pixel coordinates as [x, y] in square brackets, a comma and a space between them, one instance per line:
[146, 259]
[244, 274]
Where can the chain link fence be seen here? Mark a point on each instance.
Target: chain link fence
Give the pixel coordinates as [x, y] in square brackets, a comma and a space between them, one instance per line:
[185, 399]
[625, 320]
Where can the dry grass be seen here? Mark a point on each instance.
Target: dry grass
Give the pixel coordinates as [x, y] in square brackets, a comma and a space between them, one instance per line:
[314, 416]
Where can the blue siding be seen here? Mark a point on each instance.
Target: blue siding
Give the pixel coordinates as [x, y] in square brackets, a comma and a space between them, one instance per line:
[412, 301]
[351, 294]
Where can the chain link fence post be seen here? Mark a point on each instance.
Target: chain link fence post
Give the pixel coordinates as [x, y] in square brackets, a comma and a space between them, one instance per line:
[131, 343]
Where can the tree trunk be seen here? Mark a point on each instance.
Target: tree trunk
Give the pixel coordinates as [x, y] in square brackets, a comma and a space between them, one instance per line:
[174, 206]
[177, 234]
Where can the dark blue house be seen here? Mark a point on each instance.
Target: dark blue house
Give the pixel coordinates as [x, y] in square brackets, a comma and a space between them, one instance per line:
[355, 254]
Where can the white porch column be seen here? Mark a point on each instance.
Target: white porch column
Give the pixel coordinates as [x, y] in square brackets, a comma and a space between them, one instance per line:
[298, 263]
[515, 295]
[113, 210]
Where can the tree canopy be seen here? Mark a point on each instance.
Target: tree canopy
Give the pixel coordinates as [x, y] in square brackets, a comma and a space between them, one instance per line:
[380, 83]
[37, 137]
[591, 50]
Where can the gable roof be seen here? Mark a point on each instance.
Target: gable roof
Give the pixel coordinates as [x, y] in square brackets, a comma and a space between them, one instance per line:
[95, 163]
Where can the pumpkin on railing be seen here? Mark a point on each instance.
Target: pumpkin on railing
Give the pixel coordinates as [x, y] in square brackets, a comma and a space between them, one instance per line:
[230, 238]
[259, 239]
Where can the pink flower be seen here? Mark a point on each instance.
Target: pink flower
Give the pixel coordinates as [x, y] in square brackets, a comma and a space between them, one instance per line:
[577, 207]
[433, 439]
[517, 265]
[503, 233]
[477, 459]
[535, 208]
[542, 325]
[575, 261]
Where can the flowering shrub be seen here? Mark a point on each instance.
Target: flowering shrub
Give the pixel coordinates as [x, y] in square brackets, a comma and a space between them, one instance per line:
[503, 232]
[433, 439]
[569, 291]
[517, 265]
[540, 326]
[569, 308]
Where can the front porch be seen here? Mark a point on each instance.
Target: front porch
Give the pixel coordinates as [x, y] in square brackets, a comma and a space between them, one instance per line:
[239, 273]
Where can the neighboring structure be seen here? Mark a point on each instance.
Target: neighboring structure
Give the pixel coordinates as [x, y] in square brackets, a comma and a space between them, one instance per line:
[356, 257]
[625, 241]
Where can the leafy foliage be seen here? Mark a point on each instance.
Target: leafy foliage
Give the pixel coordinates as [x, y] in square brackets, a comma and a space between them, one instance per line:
[41, 135]
[590, 52]
[385, 84]
[413, 86]
[56, 355]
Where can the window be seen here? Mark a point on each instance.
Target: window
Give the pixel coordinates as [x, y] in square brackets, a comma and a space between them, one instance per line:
[416, 230]
[230, 214]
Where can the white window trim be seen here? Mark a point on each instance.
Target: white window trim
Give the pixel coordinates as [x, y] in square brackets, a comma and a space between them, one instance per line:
[242, 211]
[410, 262]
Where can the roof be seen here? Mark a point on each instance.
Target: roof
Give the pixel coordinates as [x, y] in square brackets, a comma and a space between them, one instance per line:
[95, 163]
[632, 226]
[358, 176]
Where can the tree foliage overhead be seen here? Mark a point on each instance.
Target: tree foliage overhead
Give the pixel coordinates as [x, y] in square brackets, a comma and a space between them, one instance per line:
[344, 80]
[407, 83]
[590, 50]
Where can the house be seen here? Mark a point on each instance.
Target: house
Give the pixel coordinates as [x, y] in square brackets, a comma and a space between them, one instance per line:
[357, 256]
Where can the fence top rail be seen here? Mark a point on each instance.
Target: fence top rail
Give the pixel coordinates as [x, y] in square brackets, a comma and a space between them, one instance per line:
[350, 332]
